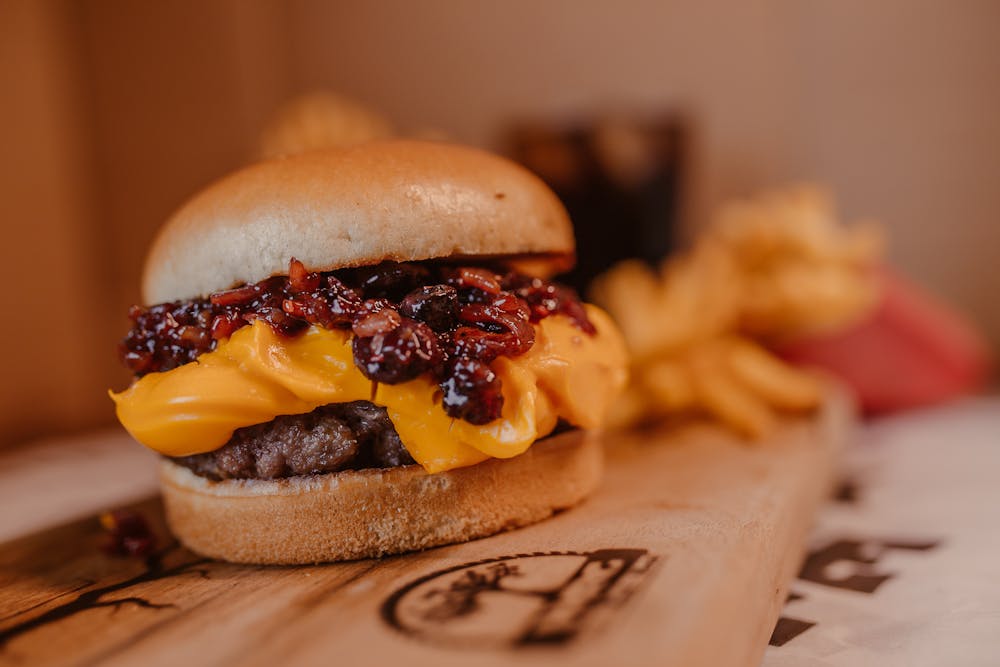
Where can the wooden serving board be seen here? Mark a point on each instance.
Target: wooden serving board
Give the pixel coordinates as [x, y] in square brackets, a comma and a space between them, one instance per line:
[683, 557]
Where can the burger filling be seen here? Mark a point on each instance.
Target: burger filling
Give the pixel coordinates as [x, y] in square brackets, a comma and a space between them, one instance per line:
[367, 367]
[331, 438]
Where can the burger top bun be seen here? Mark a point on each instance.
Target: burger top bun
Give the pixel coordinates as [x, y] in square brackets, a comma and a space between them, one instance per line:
[387, 200]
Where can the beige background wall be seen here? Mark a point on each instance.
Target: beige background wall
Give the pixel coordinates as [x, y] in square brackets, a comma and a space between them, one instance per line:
[48, 252]
[112, 112]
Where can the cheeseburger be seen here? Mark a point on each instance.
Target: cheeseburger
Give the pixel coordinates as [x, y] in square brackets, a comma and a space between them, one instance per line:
[359, 352]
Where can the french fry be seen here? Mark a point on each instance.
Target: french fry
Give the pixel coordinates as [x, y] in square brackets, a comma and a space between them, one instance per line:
[716, 291]
[771, 267]
[776, 382]
[633, 405]
[726, 399]
[632, 295]
[669, 384]
[321, 120]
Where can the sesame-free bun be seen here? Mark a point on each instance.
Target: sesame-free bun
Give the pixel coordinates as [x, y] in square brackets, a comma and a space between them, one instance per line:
[387, 200]
[369, 513]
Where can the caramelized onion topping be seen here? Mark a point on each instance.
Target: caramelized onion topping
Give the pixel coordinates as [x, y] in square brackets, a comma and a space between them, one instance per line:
[408, 319]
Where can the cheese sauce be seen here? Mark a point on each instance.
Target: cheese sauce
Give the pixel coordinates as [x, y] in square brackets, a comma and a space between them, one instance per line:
[256, 375]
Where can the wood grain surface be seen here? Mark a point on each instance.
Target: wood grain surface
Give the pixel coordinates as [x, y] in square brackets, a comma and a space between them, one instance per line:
[683, 557]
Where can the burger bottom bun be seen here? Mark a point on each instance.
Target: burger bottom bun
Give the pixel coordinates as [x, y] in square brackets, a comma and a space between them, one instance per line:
[369, 513]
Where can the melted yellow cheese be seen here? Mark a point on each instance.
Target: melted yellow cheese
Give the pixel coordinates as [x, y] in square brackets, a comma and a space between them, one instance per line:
[257, 375]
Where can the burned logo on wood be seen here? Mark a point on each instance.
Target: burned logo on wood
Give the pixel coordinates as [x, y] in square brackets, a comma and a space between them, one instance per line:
[518, 601]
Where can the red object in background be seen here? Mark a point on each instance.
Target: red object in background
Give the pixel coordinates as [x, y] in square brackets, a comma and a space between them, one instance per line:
[911, 351]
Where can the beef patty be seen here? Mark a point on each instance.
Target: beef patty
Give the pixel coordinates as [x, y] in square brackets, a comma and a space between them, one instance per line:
[341, 436]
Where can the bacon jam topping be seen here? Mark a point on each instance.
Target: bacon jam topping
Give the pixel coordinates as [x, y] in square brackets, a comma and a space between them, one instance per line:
[408, 319]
